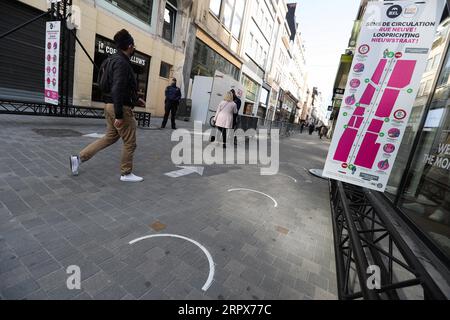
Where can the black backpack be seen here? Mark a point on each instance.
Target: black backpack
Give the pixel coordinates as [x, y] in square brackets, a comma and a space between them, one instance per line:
[103, 80]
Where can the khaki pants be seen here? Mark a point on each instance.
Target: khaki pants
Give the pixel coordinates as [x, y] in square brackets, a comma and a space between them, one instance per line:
[127, 132]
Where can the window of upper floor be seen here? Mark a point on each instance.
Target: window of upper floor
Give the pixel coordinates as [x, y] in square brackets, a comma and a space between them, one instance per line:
[170, 17]
[140, 9]
[230, 13]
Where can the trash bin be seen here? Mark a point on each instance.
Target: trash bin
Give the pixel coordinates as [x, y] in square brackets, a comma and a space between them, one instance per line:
[184, 109]
[247, 122]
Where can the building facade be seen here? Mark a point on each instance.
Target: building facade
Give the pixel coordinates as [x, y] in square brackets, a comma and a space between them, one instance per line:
[158, 28]
[214, 41]
[257, 42]
[256, 46]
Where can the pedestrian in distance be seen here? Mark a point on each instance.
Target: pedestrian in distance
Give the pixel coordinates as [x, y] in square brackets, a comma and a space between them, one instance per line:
[312, 127]
[238, 102]
[323, 132]
[117, 81]
[173, 97]
[302, 127]
[224, 115]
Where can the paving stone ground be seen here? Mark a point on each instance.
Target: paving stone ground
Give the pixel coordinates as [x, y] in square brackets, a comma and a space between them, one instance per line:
[50, 220]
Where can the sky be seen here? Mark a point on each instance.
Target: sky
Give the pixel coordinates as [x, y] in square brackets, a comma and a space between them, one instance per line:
[326, 26]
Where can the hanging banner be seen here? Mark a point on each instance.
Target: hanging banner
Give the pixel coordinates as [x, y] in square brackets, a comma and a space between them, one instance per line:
[390, 59]
[52, 42]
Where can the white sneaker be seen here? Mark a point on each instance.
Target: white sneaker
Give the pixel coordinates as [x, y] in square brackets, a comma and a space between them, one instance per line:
[131, 178]
[74, 164]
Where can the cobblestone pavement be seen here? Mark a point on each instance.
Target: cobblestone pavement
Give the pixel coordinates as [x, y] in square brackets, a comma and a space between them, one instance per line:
[50, 220]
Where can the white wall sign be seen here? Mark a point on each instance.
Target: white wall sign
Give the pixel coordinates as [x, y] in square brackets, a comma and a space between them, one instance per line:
[389, 61]
[52, 43]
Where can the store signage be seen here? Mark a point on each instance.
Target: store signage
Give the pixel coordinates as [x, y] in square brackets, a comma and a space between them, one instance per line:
[390, 60]
[107, 47]
[51, 72]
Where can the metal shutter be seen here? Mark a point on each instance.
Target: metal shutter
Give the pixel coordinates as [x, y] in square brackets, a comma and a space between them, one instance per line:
[22, 54]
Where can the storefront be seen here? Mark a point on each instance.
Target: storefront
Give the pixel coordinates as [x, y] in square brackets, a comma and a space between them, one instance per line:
[420, 182]
[272, 105]
[263, 103]
[140, 62]
[206, 61]
[289, 108]
[251, 98]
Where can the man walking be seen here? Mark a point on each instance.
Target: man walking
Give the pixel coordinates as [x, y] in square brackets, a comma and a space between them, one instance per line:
[119, 87]
[173, 97]
[302, 127]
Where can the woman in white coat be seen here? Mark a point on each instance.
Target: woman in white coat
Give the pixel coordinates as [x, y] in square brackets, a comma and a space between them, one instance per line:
[224, 115]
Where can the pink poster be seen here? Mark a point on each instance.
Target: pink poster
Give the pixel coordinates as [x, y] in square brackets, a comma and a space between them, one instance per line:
[51, 70]
[389, 61]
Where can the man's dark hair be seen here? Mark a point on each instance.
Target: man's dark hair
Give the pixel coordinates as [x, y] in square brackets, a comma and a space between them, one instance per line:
[123, 39]
[174, 80]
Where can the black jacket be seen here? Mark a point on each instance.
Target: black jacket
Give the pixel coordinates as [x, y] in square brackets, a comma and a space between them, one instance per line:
[123, 84]
[173, 94]
[238, 103]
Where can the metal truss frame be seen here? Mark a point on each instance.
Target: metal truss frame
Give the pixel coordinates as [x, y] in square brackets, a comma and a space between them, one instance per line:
[43, 109]
[364, 236]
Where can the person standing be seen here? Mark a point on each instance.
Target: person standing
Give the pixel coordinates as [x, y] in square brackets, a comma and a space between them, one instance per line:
[238, 103]
[173, 97]
[224, 115]
[120, 96]
[311, 128]
[323, 132]
[302, 126]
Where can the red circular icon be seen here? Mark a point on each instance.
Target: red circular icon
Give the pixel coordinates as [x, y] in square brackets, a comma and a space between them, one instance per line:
[48, 80]
[364, 49]
[345, 165]
[400, 114]
[398, 55]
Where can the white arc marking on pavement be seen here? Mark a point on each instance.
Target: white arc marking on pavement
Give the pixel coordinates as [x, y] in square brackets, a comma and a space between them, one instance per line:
[208, 255]
[94, 135]
[285, 175]
[185, 171]
[243, 189]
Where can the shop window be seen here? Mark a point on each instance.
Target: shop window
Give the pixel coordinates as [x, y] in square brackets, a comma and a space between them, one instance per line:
[251, 87]
[444, 79]
[417, 113]
[141, 9]
[165, 69]
[170, 16]
[426, 195]
[207, 61]
[140, 63]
